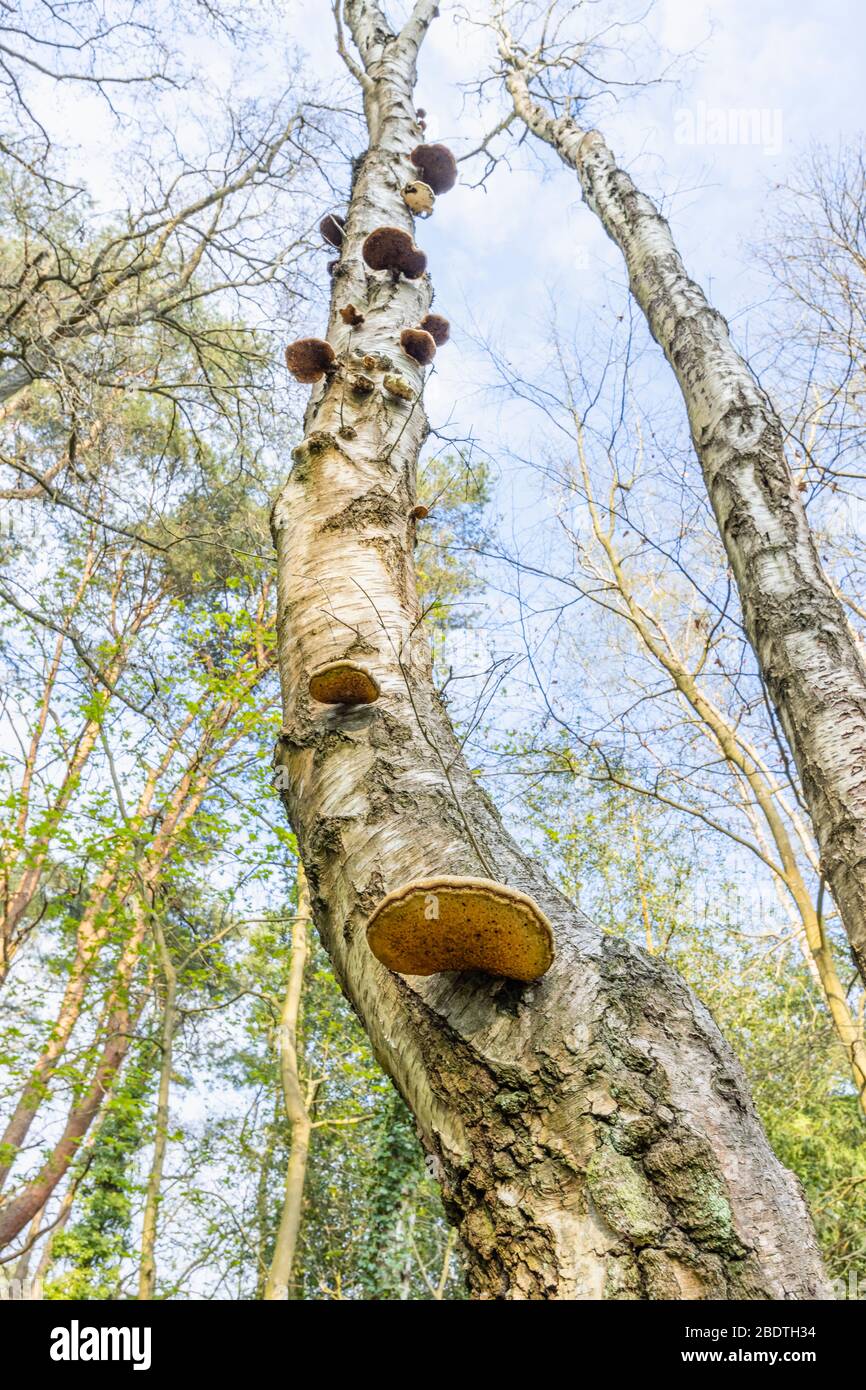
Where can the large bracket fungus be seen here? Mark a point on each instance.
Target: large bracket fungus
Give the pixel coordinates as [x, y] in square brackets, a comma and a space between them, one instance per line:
[343, 683]
[390, 248]
[438, 327]
[436, 165]
[309, 359]
[419, 345]
[450, 923]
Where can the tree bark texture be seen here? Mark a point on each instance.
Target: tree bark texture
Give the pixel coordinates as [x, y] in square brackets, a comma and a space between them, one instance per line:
[592, 1133]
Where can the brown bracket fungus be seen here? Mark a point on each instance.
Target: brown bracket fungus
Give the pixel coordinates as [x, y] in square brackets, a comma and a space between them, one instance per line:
[438, 328]
[419, 345]
[390, 248]
[436, 165]
[332, 229]
[343, 683]
[350, 315]
[419, 512]
[419, 197]
[309, 359]
[437, 924]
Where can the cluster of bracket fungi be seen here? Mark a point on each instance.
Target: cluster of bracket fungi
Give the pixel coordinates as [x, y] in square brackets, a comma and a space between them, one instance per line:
[450, 922]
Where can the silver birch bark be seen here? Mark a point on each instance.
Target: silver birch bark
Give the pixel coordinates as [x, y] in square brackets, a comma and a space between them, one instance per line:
[809, 658]
[592, 1133]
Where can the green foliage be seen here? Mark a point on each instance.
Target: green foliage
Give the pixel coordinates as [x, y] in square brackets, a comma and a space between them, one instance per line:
[95, 1246]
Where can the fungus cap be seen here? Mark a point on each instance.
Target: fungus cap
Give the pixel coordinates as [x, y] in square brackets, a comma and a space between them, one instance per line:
[343, 683]
[309, 359]
[438, 327]
[419, 197]
[352, 316]
[332, 228]
[449, 923]
[419, 512]
[390, 248]
[437, 166]
[419, 345]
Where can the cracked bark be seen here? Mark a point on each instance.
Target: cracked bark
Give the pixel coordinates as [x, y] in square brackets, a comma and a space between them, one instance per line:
[592, 1133]
[808, 655]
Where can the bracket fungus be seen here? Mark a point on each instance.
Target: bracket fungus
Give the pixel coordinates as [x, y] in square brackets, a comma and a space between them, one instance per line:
[418, 344]
[332, 228]
[419, 197]
[343, 683]
[438, 328]
[350, 315]
[449, 923]
[419, 512]
[309, 359]
[390, 248]
[436, 165]
[398, 386]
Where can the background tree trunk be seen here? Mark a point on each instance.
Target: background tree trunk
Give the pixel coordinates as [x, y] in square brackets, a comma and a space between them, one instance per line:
[297, 1111]
[807, 653]
[147, 1265]
[592, 1133]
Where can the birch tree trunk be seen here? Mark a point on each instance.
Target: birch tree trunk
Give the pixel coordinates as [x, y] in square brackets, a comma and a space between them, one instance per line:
[297, 1111]
[808, 655]
[592, 1133]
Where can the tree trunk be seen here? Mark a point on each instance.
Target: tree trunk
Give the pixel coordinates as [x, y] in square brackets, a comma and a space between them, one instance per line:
[592, 1133]
[809, 658]
[147, 1265]
[119, 1031]
[282, 1265]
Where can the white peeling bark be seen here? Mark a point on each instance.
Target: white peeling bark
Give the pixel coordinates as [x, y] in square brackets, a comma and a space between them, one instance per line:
[592, 1133]
[809, 657]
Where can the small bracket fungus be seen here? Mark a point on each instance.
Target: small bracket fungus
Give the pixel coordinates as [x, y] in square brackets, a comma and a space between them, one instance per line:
[309, 359]
[419, 198]
[350, 315]
[419, 512]
[332, 228]
[362, 384]
[332, 267]
[390, 248]
[437, 924]
[436, 165]
[343, 683]
[438, 328]
[419, 345]
[398, 386]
